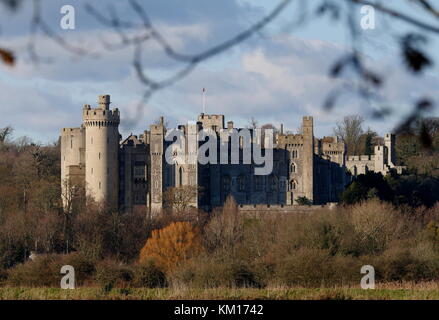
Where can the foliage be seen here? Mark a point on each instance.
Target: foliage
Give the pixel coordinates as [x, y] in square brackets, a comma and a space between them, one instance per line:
[349, 130]
[303, 201]
[412, 190]
[44, 270]
[110, 273]
[225, 229]
[180, 198]
[149, 275]
[172, 245]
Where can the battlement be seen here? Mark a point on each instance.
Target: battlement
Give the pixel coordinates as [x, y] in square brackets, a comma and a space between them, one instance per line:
[100, 117]
[291, 139]
[361, 158]
[389, 136]
[68, 131]
[308, 120]
[104, 101]
[203, 116]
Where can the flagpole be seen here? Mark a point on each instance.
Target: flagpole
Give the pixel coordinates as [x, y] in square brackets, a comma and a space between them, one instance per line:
[204, 100]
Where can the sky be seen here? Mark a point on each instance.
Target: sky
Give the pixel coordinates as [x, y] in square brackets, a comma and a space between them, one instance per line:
[278, 75]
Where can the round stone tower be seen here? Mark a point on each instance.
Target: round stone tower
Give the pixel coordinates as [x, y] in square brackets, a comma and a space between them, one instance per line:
[101, 155]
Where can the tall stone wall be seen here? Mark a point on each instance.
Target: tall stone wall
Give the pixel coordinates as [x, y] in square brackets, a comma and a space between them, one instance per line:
[72, 161]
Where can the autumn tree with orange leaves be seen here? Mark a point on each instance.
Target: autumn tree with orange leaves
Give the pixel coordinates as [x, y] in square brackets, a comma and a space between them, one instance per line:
[171, 245]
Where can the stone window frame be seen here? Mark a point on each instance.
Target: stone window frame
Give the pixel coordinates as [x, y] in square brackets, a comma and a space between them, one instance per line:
[241, 183]
[292, 184]
[226, 183]
[293, 167]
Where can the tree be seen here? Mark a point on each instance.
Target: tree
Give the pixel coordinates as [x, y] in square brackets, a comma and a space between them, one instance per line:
[172, 245]
[5, 133]
[420, 156]
[225, 229]
[180, 198]
[366, 186]
[349, 131]
[368, 139]
[252, 124]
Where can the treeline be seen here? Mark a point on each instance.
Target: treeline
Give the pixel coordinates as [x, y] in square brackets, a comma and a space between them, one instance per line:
[32, 218]
[398, 235]
[324, 248]
[410, 190]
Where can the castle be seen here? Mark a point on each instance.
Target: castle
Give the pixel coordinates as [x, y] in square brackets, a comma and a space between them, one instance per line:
[130, 172]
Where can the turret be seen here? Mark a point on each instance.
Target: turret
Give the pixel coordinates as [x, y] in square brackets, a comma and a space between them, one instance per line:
[308, 157]
[102, 147]
[157, 136]
[389, 142]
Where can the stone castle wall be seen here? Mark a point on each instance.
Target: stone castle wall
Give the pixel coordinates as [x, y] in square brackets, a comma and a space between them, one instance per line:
[133, 172]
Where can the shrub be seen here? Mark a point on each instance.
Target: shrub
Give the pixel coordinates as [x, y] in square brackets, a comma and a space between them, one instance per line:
[374, 224]
[110, 274]
[304, 267]
[171, 245]
[148, 275]
[42, 272]
[408, 264]
[303, 201]
[84, 268]
[45, 270]
[214, 272]
[3, 276]
[317, 268]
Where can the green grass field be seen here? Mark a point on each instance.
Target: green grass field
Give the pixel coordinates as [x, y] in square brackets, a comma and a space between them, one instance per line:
[229, 294]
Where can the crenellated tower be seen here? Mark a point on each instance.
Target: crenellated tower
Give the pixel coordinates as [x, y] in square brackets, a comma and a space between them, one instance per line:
[157, 137]
[102, 146]
[308, 157]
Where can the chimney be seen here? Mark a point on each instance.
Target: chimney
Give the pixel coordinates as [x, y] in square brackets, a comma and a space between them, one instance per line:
[229, 125]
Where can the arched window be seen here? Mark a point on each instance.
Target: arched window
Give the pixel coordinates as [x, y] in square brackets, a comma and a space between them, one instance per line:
[180, 177]
[226, 183]
[293, 168]
[293, 185]
[273, 183]
[258, 183]
[241, 183]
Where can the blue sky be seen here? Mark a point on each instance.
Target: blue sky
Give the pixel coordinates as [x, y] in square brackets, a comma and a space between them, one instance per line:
[276, 76]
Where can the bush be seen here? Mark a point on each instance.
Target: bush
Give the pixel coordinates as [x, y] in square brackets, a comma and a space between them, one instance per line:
[420, 263]
[172, 245]
[3, 276]
[148, 275]
[303, 201]
[84, 268]
[374, 225]
[43, 272]
[110, 274]
[317, 268]
[209, 272]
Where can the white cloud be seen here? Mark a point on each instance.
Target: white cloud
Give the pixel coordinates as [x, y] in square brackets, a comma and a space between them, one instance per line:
[276, 80]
